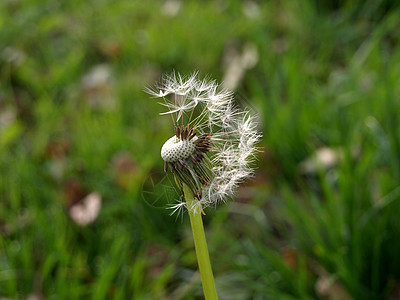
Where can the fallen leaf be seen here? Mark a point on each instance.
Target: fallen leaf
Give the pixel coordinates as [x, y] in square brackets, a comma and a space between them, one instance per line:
[238, 63]
[324, 158]
[124, 169]
[171, 8]
[328, 286]
[87, 210]
[98, 89]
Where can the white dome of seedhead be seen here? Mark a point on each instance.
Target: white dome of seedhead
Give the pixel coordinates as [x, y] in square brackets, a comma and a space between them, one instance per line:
[215, 142]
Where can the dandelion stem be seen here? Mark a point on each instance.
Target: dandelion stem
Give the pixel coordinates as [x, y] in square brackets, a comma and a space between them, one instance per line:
[203, 258]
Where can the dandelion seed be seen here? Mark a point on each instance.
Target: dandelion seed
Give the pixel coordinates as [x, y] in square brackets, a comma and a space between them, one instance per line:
[214, 143]
[177, 208]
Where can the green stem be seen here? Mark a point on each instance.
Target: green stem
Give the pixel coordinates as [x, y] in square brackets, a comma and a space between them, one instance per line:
[200, 244]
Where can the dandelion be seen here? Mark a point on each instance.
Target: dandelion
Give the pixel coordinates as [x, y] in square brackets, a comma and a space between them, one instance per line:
[214, 143]
[210, 154]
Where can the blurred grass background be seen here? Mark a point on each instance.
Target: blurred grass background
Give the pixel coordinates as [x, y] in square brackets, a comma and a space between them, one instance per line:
[320, 220]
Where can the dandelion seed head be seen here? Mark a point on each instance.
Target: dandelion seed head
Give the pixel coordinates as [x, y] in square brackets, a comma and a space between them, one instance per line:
[215, 143]
[176, 149]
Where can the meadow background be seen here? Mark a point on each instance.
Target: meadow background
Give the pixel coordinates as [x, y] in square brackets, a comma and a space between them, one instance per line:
[320, 218]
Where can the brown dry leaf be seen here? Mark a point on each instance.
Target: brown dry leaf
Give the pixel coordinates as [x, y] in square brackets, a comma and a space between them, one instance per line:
[395, 290]
[290, 257]
[56, 151]
[124, 169]
[111, 48]
[158, 257]
[280, 45]
[73, 192]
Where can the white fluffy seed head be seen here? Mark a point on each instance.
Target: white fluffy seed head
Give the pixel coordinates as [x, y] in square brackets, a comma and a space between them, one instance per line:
[202, 105]
[176, 149]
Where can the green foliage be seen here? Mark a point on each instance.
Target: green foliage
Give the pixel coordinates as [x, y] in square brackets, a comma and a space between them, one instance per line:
[327, 75]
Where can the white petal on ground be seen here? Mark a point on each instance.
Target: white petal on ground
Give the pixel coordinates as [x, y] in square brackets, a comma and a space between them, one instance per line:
[86, 211]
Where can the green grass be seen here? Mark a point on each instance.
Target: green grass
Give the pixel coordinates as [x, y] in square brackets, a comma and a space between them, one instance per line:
[327, 76]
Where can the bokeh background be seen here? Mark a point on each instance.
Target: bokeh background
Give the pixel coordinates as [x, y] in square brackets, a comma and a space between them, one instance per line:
[83, 196]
